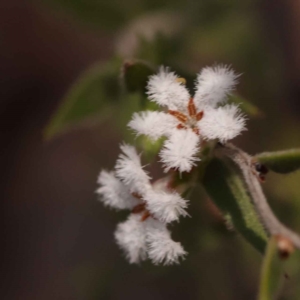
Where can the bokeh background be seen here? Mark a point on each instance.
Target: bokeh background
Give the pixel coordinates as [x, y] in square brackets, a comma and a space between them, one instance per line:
[57, 238]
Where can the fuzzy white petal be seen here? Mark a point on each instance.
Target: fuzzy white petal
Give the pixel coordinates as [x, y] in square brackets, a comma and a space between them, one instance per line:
[223, 123]
[131, 238]
[167, 207]
[161, 248]
[153, 124]
[213, 84]
[130, 171]
[114, 193]
[180, 150]
[165, 89]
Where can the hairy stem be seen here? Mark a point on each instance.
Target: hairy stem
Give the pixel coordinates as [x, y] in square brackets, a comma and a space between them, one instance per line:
[245, 163]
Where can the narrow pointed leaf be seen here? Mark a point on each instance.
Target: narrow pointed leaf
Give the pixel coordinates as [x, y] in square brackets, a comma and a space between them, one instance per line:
[281, 161]
[226, 188]
[246, 106]
[271, 274]
[90, 98]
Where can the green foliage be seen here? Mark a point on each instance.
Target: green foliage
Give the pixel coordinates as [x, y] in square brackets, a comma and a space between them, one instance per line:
[90, 98]
[281, 161]
[226, 188]
[271, 273]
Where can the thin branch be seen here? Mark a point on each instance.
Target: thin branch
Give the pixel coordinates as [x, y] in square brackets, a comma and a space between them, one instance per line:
[272, 225]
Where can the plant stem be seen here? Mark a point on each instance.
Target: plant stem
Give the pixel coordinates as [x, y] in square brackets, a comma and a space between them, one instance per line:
[245, 163]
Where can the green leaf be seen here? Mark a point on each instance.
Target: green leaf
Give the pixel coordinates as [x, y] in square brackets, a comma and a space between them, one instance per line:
[90, 98]
[281, 161]
[224, 185]
[246, 106]
[135, 74]
[271, 274]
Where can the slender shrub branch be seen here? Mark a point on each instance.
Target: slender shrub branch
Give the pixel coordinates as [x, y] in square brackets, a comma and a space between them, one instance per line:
[245, 163]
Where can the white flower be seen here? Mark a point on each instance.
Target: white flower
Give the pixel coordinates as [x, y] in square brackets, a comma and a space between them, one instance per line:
[161, 248]
[139, 239]
[194, 119]
[131, 238]
[113, 192]
[163, 205]
[144, 234]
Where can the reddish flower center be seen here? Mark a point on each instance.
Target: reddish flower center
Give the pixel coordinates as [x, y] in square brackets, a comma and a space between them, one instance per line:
[189, 120]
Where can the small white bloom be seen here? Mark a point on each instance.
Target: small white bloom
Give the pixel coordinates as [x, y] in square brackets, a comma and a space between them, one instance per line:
[223, 123]
[161, 248]
[185, 132]
[130, 171]
[113, 192]
[166, 207]
[165, 89]
[131, 238]
[144, 233]
[180, 151]
[213, 84]
[139, 239]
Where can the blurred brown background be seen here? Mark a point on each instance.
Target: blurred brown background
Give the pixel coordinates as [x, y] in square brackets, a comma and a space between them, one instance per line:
[57, 239]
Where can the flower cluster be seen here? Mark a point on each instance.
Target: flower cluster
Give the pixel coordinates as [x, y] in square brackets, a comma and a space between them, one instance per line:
[152, 207]
[186, 123]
